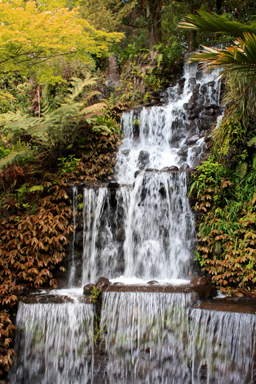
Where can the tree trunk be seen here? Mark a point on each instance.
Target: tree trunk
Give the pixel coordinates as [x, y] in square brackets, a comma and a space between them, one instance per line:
[218, 6]
[155, 27]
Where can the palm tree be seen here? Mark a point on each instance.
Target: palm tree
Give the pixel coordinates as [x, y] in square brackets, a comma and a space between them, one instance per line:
[238, 60]
[239, 56]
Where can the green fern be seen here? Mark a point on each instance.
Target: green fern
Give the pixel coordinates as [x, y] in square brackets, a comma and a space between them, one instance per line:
[241, 170]
[57, 128]
[36, 188]
[252, 141]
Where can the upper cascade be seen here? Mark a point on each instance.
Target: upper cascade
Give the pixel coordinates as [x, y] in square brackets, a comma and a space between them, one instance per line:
[141, 225]
[171, 134]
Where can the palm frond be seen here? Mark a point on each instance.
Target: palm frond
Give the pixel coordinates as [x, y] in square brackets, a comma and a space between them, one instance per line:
[240, 57]
[208, 22]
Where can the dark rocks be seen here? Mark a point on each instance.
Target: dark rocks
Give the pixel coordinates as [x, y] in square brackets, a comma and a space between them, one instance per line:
[113, 185]
[87, 289]
[136, 174]
[191, 140]
[196, 150]
[183, 152]
[143, 159]
[170, 169]
[204, 291]
[125, 152]
[184, 167]
[102, 283]
[199, 281]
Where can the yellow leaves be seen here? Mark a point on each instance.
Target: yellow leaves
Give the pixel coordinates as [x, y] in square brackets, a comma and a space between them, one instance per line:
[31, 34]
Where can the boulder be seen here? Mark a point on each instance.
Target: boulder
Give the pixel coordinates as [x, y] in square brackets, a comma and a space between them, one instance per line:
[102, 283]
[87, 289]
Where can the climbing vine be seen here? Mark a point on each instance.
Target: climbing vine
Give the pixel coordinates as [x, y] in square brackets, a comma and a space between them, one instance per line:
[224, 187]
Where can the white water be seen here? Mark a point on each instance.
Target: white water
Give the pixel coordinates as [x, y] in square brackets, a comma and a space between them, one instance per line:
[156, 338]
[151, 209]
[73, 266]
[54, 344]
[222, 346]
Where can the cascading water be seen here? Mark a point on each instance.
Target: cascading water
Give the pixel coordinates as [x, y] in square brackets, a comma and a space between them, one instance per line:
[141, 225]
[145, 337]
[222, 346]
[156, 338]
[73, 266]
[150, 208]
[54, 344]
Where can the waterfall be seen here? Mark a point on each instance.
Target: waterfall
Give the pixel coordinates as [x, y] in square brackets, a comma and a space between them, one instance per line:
[140, 225]
[73, 266]
[157, 338]
[222, 346]
[54, 344]
[162, 246]
[145, 227]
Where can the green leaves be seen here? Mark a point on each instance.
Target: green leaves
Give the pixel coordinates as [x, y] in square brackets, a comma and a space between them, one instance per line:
[205, 21]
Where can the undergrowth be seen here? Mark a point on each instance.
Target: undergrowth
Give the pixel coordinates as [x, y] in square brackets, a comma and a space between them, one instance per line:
[225, 190]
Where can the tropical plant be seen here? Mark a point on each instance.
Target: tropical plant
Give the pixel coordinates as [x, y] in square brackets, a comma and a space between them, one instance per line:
[239, 56]
[58, 128]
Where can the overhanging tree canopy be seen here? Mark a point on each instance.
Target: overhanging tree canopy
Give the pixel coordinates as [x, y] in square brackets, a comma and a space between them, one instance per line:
[31, 35]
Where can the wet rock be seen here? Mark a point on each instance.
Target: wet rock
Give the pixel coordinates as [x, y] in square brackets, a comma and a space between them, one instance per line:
[125, 152]
[209, 145]
[102, 283]
[88, 288]
[46, 298]
[191, 140]
[199, 280]
[136, 174]
[230, 304]
[192, 82]
[188, 106]
[195, 112]
[199, 75]
[113, 185]
[204, 292]
[184, 167]
[183, 152]
[143, 159]
[211, 106]
[196, 150]
[173, 168]
[152, 282]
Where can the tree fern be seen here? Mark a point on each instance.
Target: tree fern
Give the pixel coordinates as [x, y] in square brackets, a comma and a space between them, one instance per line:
[59, 125]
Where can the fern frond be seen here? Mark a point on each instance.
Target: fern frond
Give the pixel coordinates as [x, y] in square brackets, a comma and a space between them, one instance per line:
[36, 188]
[241, 170]
[14, 156]
[93, 109]
[78, 86]
[252, 141]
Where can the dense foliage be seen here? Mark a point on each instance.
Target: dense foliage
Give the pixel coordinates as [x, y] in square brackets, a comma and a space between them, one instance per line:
[225, 183]
[63, 84]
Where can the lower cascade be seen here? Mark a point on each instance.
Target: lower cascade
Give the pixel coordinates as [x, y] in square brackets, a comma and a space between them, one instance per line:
[54, 344]
[146, 324]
